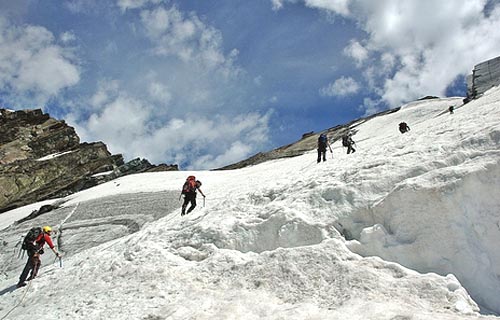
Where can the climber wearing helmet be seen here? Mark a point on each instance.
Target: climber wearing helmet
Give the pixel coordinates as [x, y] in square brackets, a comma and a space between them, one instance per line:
[33, 243]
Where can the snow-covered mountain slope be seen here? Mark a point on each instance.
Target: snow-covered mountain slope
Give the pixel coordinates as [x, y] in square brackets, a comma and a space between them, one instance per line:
[405, 228]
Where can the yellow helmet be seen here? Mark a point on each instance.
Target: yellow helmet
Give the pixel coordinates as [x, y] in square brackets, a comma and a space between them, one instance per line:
[47, 229]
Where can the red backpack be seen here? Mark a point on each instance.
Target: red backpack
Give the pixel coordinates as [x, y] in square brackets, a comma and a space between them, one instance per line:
[190, 185]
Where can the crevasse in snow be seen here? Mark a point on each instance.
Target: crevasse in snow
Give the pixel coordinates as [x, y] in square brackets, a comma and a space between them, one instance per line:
[405, 228]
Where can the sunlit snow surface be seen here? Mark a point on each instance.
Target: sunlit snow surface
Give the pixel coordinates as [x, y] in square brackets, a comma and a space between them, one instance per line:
[383, 233]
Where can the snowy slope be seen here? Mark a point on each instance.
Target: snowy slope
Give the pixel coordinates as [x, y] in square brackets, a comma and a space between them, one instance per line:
[419, 211]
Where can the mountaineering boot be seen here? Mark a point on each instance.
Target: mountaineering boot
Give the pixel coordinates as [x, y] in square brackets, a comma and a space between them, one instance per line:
[21, 284]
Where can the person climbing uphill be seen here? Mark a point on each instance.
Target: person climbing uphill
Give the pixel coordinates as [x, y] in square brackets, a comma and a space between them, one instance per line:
[348, 143]
[189, 191]
[33, 243]
[403, 127]
[322, 143]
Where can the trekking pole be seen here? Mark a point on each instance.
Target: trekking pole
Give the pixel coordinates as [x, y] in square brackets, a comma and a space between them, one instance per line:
[21, 251]
[60, 261]
[203, 202]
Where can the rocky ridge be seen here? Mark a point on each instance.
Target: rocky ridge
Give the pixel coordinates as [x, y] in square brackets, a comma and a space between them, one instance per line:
[307, 143]
[42, 158]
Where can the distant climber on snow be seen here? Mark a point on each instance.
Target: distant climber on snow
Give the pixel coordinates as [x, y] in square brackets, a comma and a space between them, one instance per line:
[33, 243]
[189, 191]
[322, 143]
[450, 109]
[403, 127]
[348, 143]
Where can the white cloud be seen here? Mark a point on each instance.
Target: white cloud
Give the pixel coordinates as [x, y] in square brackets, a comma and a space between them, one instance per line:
[236, 152]
[429, 43]
[67, 37]
[258, 80]
[356, 51]
[277, 4]
[107, 90]
[337, 6]
[160, 93]
[183, 105]
[341, 87]
[120, 121]
[86, 6]
[187, 38]
[131, 126]
[135, 4]
[31, 64]
[370, 107]
[417, 47]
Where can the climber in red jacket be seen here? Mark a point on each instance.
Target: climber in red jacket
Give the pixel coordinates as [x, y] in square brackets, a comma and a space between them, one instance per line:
[34, 248]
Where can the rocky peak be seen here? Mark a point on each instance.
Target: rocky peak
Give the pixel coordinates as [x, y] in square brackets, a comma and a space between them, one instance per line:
[42, 158]
[31, 134]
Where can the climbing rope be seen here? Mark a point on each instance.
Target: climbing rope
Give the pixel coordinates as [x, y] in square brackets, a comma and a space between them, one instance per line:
[19, 303]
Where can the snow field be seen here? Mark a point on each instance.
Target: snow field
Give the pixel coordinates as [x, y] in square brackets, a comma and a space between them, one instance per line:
[292, 239]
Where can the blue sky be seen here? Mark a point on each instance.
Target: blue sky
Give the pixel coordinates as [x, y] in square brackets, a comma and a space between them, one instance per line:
[208, 83]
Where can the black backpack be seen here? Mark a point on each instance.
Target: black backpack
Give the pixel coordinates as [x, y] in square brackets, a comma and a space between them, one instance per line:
[345, 141]
[30, 237]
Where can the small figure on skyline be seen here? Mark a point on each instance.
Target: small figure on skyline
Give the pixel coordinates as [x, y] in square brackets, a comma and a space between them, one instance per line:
[322, 143]
[33, 243]
[403, 127]
[189, 191]
[348, 143]
[450, 109]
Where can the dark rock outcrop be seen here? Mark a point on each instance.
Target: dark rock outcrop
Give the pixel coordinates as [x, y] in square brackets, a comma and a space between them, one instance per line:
[485, 75]
[42, 158]
[427, 98]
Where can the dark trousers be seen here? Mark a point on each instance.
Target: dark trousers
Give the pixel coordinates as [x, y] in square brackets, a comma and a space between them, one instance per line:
[321, 154]
[350, 149]
[188, 198]
[33, 265]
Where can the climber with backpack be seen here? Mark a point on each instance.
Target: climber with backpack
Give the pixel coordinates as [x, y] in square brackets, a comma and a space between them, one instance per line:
[322, 143]
[33, 243]
[189, 191]
[348, 142]
[404, 127]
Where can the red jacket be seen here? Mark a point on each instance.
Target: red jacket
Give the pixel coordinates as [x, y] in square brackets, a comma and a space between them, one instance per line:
[42, 239]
